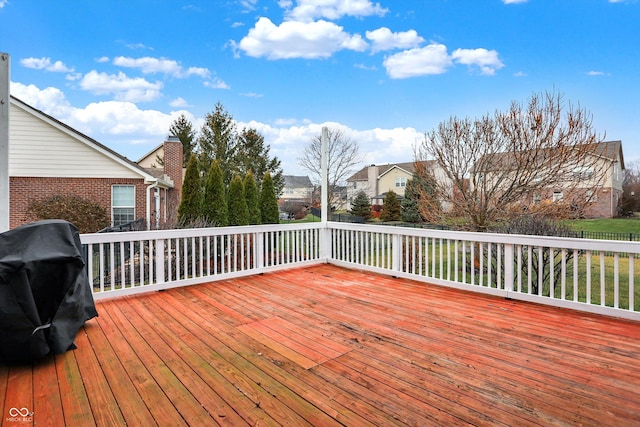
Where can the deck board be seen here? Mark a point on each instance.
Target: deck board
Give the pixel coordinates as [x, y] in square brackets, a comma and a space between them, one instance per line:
[330, 346]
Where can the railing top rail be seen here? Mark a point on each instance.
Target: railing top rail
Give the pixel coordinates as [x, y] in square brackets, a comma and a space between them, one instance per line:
[516, 239]
[191, 232]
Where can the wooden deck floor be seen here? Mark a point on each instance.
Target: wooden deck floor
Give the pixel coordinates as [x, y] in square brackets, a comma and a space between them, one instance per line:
[329, 346]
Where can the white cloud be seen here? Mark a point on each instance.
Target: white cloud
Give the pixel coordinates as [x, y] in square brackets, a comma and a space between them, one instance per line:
[216, 83]
[50, 100]
[3, 3]
[249, 5]
[384, 39]
[308, 10]
[486, 60]
[149, 65]
[124, 88]
[45, 64]
[520, 74]
[288, 137]
[514, 1]
[596, 73]
[431, 59]
[135, 46]
[116, 124]
[252, 95]
[179, 102]
[365, 67]
[293, 39]
[102, 59]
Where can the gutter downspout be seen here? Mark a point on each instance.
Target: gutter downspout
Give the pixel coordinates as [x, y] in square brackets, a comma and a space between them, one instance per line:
[148, 202]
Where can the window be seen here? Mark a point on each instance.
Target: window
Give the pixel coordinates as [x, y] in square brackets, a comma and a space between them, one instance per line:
[582, 173]
[557, 196]
[123, 207]
[401, 182]
[536, 199]
[591, 196]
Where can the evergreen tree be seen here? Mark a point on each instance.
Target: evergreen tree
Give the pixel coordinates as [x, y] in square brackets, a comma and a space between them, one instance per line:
[390, 207]
[190, 207]
[268, 201]
[253, 156]
[183, 129]
[252, 198]
[361, 206]
[238, 212]
[410, 211]
[218, 140]
[215, 205]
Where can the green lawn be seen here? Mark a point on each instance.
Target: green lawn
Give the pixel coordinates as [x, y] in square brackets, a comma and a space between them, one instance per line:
[612, 225]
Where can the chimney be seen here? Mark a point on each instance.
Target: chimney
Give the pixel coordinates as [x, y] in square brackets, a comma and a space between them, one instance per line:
[173, 169]
[372, 180]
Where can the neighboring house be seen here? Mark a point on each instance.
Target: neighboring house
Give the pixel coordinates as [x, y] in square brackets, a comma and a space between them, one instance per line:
[297, 189]
[598, 182]
[48, 158]
[376, 180]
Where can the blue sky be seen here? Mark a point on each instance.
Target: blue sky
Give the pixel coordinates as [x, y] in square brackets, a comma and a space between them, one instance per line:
[383, 72]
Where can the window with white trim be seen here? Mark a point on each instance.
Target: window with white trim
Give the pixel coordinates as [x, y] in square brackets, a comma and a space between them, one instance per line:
[401, 182]
[123, 204]
[557, 196]
[537, 199]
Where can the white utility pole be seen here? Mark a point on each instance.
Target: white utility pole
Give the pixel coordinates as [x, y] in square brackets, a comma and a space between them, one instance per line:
[324, 166]
[4, 141]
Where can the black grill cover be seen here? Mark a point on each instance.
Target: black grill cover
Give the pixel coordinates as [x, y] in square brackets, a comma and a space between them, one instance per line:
[45, 296]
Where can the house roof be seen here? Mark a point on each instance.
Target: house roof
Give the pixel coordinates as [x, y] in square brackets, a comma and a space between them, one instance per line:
[90, 142]
[611, 150]
[363, 174]
[293, 181]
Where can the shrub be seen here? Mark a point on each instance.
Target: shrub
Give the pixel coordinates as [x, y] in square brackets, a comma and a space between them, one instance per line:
[86, 215]
[390, 207]
[191, 204]
[268, 201]
[361, 205]
[215, 207]
[252, 197]
[238, 212]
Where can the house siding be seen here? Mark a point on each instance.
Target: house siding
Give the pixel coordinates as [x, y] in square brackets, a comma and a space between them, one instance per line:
[26, 190]
[387, 182]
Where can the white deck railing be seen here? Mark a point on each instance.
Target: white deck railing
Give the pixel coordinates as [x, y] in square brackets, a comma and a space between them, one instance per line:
[590, 275]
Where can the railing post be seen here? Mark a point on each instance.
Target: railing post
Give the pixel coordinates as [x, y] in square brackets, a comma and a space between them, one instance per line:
[259, 245]
[160, 277]
[325, 241]
[396, 252]
[509, 268]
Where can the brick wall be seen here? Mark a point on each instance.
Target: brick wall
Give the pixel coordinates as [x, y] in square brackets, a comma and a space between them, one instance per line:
[24, 190]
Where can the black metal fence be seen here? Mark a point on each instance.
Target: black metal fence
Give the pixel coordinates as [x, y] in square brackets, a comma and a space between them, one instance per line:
[604, 235]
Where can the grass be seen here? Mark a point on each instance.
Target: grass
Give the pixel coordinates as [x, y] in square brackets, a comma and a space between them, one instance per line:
[612, 225]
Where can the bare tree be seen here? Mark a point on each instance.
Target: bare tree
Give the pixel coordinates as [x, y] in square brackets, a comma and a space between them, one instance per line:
[343, 158]
[542, 157]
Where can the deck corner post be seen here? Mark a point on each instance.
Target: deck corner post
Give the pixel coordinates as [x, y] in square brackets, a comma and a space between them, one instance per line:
[160, 258]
